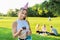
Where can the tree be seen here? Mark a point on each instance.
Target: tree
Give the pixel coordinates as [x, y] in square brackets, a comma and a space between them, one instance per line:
[54, 7]
[32, 13]
[11, 13]
[0, 14]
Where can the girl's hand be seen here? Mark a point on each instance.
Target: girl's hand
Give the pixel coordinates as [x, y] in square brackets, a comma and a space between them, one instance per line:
[28, 33]
[20, 30]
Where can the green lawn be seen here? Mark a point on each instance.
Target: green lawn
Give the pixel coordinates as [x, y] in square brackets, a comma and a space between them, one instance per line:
[6, 32]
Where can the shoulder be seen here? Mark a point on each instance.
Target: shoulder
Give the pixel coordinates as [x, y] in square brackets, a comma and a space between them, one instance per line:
[27, 21]
[14, 24]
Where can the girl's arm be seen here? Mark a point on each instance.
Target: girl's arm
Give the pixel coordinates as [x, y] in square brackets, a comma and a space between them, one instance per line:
[14, 31]
[30, 32]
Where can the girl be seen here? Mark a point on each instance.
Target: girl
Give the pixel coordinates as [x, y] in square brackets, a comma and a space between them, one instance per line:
[38, 29]
[21, 28]
[44, 28]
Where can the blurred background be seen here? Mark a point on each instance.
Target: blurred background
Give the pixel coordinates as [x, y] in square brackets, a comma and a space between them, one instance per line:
[38, 13]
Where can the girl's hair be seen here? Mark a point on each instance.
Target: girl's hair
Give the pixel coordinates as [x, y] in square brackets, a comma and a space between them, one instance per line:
[24, 18]
[44, 25]
[23, 9]
[51, 26]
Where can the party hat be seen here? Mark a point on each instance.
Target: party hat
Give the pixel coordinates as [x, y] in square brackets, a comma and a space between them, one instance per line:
[26, 6]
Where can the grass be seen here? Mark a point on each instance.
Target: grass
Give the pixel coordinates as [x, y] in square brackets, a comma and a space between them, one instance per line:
[6, 29]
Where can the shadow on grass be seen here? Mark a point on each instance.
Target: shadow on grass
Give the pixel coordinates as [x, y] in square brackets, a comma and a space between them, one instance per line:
[5, 34]
[58, 35]
[39, 37]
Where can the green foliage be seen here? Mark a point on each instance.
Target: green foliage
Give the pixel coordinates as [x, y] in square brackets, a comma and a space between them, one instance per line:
[12, 13]
[0, 14]
[47, 8]
[32, 13]
[54, 7]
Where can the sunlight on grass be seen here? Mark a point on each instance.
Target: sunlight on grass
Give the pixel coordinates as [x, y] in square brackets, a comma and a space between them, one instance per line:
[6, 25]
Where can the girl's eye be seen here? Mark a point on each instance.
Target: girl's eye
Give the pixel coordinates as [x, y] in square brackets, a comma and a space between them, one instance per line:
[22, 13]
[25, 14]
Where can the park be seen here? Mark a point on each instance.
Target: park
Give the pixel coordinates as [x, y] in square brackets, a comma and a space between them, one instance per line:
[6, 29]
[42, 12]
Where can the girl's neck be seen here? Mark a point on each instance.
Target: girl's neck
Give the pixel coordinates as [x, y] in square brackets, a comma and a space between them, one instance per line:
[20, 19]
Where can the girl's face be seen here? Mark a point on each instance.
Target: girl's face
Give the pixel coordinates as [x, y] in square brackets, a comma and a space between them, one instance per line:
[22, 14]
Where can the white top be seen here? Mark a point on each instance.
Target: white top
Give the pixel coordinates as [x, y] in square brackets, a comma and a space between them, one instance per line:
[44, 29]
[20, 24]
